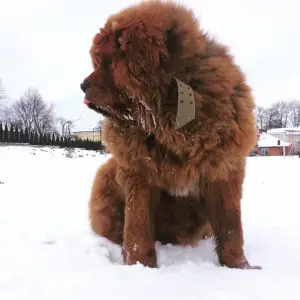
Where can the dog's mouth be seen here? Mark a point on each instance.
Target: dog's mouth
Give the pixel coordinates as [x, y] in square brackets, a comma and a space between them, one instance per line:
[108, 112]
[100, 110]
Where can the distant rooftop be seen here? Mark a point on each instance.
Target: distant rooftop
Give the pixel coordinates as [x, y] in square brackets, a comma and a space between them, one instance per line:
[87, 129]
[290, 130]
[266, 140]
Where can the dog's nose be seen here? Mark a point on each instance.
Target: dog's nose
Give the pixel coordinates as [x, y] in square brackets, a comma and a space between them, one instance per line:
[84, 85]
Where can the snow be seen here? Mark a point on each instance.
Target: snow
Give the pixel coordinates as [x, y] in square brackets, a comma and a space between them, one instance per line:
[267, 140]
[47, 250]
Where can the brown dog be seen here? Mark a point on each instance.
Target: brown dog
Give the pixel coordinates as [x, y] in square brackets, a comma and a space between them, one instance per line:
[179, 126]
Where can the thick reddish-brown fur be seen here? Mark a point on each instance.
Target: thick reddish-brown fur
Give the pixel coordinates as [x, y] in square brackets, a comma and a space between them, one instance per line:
[165, 184]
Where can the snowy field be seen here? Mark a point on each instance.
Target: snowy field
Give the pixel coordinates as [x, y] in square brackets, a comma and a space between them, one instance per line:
[47, 250]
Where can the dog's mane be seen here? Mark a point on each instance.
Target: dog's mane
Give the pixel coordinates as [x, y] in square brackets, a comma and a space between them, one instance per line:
[224, 123]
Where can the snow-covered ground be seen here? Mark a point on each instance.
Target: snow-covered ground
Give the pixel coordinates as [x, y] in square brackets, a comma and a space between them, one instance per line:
[47, 250]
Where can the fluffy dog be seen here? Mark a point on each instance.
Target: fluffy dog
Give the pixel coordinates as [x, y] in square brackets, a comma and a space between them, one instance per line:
[179, 125]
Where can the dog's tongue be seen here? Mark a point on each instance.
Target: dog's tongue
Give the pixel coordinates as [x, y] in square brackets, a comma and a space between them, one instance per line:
[86, 101]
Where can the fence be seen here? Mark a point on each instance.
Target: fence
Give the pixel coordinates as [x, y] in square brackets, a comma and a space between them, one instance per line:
[16, 135]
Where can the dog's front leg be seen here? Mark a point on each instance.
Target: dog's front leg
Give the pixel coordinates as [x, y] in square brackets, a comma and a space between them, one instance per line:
[138, 238]
[225, 218]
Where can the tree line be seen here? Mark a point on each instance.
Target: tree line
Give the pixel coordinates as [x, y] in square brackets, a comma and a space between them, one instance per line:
[31, 111]
[280, 114]
[30, 119]
[15, 135]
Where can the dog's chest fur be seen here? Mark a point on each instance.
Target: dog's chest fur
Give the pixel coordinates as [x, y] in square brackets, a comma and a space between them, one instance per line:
[170, 169]
[157, 163]
[191, 189]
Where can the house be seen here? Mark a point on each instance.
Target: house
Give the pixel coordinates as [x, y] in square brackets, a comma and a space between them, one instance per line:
[272, 146]
[290, 135]
[92, 134]
[254, 150]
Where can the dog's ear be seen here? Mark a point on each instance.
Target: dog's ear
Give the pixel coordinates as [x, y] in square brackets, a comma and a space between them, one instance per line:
[144, 50]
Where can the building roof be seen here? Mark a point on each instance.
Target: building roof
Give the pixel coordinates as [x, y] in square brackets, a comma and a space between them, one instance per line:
[289, 130]
[266, 140]
[87, 129]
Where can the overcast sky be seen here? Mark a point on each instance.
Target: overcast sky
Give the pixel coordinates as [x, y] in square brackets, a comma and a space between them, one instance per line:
[45, 44]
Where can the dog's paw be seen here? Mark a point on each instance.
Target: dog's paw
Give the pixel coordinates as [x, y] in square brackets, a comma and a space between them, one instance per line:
[145, 257]
[239, 263]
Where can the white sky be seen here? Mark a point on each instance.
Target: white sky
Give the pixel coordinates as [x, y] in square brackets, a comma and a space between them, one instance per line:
[45, 44]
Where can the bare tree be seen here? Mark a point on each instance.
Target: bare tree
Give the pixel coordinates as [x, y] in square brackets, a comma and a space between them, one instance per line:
[277, 116]
[295, 113]
[283, 109]
[32, 112]
[270, 118]
[99, 125]
[9, 117]
[65, 127]
[260, 115]
[2, 98]
[2, 93]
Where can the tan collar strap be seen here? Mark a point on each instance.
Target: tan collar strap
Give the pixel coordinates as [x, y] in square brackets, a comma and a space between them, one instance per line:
[186, 109]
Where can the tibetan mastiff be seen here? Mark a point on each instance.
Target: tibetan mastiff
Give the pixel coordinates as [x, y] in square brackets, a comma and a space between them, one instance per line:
[179, 124]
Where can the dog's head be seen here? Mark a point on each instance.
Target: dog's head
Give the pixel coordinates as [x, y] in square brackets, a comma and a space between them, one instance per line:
[135, 56]
[102, 96]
